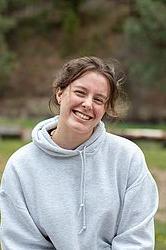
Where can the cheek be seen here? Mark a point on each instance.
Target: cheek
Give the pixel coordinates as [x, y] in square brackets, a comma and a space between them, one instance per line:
[74, 101]
[100, 111]
[69, 102]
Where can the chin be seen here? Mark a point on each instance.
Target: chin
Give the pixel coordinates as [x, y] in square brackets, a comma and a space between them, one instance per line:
[81, 129]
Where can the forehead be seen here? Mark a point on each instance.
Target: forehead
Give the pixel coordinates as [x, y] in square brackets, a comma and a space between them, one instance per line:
[93, 81]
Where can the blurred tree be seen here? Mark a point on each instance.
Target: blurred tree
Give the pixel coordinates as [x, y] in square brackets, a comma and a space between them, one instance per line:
[145, 31]
[36, 15]
[6, 56]
[70, 24]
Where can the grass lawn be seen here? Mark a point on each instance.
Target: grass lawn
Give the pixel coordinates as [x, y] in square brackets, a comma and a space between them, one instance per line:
[160, 236]
[7, 147]
[25, 123]
[155, 153]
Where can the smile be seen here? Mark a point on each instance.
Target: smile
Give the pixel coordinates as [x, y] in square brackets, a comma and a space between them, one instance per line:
[81, 115]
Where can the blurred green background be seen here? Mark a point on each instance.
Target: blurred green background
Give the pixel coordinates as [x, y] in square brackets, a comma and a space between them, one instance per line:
[38, 36]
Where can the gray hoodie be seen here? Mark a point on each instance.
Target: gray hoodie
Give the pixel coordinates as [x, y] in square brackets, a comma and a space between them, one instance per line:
[98, 196]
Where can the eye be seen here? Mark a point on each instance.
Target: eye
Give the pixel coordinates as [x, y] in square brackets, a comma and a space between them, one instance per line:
[99, 101]
[80, 93]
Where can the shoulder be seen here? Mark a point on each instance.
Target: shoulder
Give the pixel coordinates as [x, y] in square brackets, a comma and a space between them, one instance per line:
[121, 144]
[128, 156]
[21, 158]
[16, 173]
[23, 153]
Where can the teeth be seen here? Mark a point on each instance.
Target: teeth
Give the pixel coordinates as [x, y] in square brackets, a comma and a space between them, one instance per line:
[82, 116]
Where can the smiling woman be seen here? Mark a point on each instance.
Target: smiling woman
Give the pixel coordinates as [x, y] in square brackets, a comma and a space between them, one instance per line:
[77, 68]
[82, 106]
[86, 88]
[75, 186]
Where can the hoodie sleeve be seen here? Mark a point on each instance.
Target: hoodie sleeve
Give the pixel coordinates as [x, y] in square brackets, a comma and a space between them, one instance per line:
[18, 229]
[136, 222]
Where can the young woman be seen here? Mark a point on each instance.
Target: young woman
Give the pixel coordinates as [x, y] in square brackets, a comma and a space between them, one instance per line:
[75, 186]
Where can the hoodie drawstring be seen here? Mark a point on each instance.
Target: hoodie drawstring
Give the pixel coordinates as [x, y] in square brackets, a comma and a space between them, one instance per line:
[82, 207]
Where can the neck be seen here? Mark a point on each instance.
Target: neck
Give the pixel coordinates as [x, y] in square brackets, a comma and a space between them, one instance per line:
[68, 140]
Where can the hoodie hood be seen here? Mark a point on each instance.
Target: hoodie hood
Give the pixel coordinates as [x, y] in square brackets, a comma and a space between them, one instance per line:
[42, 139]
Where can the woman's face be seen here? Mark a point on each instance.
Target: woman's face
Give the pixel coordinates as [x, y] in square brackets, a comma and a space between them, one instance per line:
[82, 103]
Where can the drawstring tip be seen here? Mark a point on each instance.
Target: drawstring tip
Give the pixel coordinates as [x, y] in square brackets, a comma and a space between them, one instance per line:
[82, 229]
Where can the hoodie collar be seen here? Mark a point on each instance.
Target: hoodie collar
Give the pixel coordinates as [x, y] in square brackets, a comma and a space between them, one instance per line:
[42, 139]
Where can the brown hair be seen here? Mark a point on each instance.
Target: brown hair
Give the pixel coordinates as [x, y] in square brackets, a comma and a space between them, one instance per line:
[75, 68]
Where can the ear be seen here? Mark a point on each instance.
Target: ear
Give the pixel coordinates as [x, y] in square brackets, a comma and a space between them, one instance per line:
[59, 95]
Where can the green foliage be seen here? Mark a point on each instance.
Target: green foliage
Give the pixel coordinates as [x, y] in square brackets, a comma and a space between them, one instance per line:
[145, 31]
[6, 24]
[70, 28]
[68, 4]
[13, 5]
[144, 28]
[6, 56]
[3, 5]
[70, 24]
[39, 17]
[6, 66]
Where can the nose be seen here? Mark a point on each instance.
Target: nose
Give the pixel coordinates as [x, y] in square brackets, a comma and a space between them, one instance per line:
[87, 103]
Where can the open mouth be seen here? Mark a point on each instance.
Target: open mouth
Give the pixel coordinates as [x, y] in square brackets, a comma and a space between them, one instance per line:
[81, 115]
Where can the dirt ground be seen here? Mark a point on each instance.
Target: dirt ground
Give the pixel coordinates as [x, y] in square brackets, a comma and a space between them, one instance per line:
[160, 177]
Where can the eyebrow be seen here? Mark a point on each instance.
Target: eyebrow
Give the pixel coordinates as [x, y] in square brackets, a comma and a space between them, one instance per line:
[98, 94]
